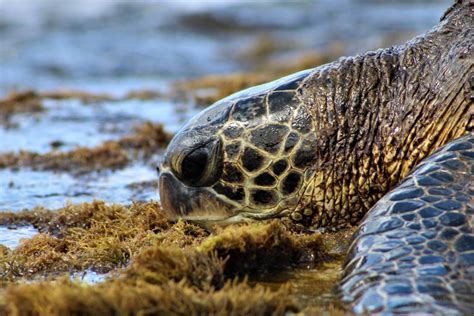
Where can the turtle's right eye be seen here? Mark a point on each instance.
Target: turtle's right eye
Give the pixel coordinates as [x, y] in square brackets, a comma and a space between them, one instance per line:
[202, 166]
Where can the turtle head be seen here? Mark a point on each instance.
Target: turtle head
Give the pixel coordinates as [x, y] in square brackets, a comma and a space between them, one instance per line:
[243, 158]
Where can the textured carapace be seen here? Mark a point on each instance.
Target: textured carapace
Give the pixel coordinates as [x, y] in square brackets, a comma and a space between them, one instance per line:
[322, 146]
[414, 252]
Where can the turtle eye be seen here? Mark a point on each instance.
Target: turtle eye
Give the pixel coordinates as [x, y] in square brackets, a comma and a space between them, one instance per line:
[194, 164]
[203, 165]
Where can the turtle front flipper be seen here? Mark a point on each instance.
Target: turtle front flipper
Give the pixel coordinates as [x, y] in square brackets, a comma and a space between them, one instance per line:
[414, 251]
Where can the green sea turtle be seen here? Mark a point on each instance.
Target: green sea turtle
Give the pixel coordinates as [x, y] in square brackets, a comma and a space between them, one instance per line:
[414, 251]
[320, 147]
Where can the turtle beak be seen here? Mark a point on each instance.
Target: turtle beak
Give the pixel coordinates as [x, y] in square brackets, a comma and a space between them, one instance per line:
[191, 203]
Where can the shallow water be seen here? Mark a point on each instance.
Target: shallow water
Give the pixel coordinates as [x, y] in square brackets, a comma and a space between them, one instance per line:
[11, 237]
[25, 188]
[309, 287]
[89, 276]
[73, 123]
[51, 43]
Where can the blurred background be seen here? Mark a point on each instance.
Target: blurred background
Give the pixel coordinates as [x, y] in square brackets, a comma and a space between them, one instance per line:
[114, 44]
[91, 90]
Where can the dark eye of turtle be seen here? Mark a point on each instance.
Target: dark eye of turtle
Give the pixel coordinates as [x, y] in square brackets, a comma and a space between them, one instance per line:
[194, 164]
[203, 165]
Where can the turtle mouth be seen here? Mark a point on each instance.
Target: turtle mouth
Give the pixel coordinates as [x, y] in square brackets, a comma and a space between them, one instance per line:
[197, 204]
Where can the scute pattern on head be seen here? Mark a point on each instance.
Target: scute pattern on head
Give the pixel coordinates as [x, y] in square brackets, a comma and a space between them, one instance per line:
[273, 152]
[249, 110]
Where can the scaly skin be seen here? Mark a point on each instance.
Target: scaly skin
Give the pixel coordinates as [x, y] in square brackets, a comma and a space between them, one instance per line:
[378, 115]
[414, 251]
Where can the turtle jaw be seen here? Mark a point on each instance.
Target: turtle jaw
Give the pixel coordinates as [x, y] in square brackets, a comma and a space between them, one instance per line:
[196, 204]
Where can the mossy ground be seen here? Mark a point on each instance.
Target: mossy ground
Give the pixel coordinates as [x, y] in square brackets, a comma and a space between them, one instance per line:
[155, 267]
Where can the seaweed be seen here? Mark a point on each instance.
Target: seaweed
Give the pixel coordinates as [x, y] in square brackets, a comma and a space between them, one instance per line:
[148, 254]
[29, 100]
[264, 46]
[108, 155]
[104, 237]
[147, 138]
[19, 102]
[86, 97]
[118, 297]
[78, 237]
[259, 248]
[211, 88]
[158, 265]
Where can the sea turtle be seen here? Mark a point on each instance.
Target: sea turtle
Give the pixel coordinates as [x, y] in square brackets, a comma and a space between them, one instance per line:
[320, 147]
[414, 251]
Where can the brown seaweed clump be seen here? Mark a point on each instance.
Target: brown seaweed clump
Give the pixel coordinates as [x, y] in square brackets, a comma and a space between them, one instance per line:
[119, 297]
[84, 96]
[146, 140]
[78, 237]
[158, 267]
[103, 237]
[109, 155]
[249, 247]
[19, 102]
